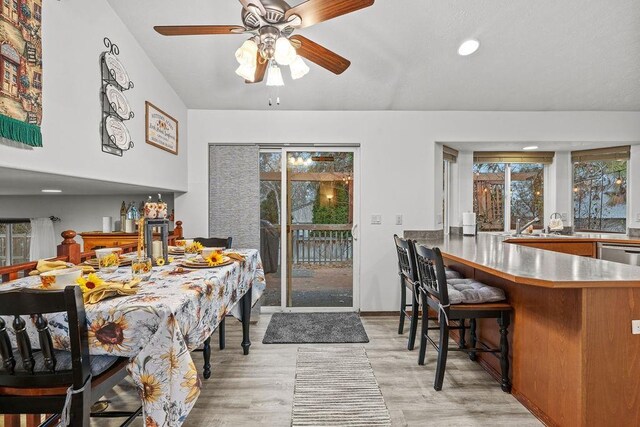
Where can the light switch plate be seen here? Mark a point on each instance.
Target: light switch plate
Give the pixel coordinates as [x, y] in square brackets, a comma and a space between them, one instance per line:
[399, 219]
[439, 218]
[376, 219]
[565, 216]
[635, 327]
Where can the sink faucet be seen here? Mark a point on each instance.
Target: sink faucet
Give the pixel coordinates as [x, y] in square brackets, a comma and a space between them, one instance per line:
[524, 227]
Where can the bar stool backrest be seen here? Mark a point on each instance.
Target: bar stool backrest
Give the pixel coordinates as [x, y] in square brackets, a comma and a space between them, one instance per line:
[431, 273]
[406, 259]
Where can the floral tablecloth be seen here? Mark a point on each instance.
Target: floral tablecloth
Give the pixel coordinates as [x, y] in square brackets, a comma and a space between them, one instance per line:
[172, 314]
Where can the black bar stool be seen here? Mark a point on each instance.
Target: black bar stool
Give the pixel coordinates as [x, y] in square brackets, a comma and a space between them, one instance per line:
[408, 280]
[475, 301]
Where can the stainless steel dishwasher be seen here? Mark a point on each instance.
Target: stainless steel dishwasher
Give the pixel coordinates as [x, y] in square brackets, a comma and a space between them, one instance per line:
[625, 254]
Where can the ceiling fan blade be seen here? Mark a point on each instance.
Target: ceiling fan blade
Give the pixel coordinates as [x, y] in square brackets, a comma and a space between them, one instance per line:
[198, 30]
[260, 70]
[254, 6]
[314, 11]
[320, 55]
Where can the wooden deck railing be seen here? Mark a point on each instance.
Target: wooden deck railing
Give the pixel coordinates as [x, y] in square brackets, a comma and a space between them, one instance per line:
[321, 243]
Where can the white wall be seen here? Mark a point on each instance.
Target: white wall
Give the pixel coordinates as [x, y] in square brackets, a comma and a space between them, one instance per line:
[78, 213]
[399, 171]
[464, 202]
[560, 189]
[73, 32]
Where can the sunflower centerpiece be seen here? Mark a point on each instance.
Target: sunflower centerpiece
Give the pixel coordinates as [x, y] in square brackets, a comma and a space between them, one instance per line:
[214, 258]
[194, 248]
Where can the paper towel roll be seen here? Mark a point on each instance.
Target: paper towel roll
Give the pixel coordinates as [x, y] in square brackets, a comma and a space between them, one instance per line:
[106, 224]
[468, 218]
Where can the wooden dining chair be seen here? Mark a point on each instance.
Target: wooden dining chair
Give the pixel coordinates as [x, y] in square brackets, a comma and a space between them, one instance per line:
[408, 280]
[213, 242]
[488, 302]
[51, 381]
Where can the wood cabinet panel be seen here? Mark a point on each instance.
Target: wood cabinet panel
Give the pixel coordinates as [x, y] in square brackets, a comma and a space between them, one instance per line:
[612, 362]
[96, 240]
[587, 249]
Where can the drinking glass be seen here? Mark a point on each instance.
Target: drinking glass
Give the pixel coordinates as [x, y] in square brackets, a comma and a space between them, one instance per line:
[108, 259]
[141, 268]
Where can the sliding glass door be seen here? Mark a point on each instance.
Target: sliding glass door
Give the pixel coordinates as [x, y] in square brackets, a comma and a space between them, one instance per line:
[309, 197]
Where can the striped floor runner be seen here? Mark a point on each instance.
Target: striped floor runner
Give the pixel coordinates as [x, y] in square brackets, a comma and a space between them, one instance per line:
[335, 386]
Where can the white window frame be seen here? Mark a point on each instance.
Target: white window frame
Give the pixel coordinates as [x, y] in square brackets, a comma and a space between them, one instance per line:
[507, 194]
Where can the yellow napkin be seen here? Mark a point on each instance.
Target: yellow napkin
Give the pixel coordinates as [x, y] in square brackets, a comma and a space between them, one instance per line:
[110, 289]
[44, 266]
[236, 256]
[86, 269]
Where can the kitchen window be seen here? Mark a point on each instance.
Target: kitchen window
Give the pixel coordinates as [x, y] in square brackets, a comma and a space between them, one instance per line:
[600, 189]
[449, 156]
[15, 239]
[508, 187]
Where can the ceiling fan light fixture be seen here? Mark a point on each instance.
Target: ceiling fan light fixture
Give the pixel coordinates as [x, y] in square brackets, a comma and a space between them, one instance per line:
[247, 72]
[285, 53]
[298, 68]
[247, 53]
[274, 76]
[468, 47]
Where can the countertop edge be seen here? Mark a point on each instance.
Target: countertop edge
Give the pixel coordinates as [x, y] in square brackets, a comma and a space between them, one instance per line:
[528, 281]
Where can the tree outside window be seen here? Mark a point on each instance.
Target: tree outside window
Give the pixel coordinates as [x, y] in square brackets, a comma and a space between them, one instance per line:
[600, 196]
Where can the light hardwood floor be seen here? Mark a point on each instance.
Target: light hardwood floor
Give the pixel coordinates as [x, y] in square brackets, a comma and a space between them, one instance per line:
[258, 389]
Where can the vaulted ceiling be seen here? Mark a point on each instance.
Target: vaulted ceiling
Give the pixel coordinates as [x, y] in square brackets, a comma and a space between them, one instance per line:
[534, 55]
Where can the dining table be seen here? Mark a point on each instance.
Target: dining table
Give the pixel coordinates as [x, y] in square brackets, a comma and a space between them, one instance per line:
[157, 328]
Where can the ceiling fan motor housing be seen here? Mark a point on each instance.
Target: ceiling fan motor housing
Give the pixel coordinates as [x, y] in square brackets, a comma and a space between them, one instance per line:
[275, 11]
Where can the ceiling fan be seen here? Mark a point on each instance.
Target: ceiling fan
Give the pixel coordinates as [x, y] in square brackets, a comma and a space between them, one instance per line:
[270, 23]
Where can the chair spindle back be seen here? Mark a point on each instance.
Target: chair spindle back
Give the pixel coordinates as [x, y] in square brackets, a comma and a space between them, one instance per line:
[431, 273]
[406, 264]
[33, 305]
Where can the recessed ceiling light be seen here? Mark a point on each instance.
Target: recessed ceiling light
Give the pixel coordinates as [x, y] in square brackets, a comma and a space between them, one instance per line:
[531, 147]
[468, 47]
[51, 191]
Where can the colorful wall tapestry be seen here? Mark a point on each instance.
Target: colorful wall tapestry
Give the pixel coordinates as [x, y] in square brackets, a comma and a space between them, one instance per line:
[21, 71]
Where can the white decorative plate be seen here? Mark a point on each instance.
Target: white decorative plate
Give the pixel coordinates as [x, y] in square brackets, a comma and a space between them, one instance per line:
[117, 70]
[118, 132]
[118, 101]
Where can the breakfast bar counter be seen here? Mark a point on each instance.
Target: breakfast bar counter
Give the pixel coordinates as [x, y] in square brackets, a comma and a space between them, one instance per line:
[520, 263]
[574, 359]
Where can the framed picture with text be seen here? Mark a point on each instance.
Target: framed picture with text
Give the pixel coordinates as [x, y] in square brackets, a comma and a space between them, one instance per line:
[161, 129]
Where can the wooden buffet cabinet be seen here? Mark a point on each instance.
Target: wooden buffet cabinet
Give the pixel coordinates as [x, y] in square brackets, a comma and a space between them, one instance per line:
[96, 239]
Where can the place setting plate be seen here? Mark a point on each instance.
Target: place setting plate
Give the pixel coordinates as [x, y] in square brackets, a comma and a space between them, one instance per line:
[200, 263]
[176, 250]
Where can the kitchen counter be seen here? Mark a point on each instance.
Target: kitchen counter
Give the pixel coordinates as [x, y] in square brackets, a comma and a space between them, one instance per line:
[493, 254]
[574, 359]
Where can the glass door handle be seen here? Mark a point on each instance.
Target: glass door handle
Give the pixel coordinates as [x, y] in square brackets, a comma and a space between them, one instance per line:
[353, 232]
